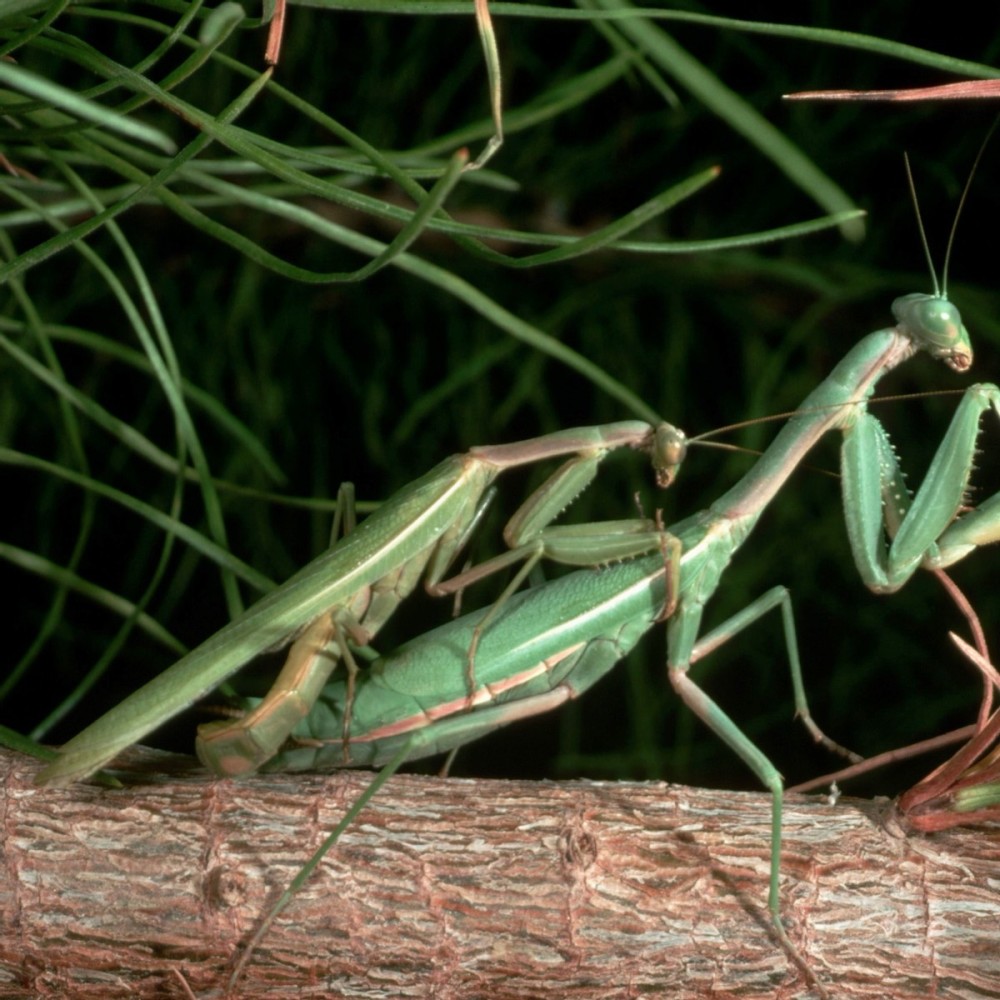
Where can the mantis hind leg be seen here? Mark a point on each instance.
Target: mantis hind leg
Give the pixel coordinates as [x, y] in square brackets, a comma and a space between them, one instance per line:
[777, 597]
[714, 717]
[683, 652]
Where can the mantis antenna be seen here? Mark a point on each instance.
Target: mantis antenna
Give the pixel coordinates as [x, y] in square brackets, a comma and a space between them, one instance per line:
[943, 290]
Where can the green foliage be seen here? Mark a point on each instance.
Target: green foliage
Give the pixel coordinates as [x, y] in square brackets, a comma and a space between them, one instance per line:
[224, 291]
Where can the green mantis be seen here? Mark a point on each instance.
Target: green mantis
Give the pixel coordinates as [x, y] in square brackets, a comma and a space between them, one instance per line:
[553, 642]
[355, 586]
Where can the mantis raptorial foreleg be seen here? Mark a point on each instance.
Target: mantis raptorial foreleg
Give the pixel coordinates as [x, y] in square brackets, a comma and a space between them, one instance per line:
[357, 583]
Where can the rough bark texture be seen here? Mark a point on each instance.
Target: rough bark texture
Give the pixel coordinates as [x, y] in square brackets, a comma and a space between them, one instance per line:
[453, 888]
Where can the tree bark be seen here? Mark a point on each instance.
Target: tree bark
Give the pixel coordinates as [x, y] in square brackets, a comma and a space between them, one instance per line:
[466, 889]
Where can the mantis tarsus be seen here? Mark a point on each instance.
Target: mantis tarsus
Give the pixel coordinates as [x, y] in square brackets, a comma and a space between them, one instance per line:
[554, 641]
[353, 587]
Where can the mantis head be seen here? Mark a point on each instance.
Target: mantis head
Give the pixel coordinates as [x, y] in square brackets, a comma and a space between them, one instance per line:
[931, 322]
[669, 448]
[934, 325]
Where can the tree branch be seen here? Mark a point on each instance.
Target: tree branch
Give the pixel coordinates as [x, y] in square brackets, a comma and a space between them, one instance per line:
[457, 889]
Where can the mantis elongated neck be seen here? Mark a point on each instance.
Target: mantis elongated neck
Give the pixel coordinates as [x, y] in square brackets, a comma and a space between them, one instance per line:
[826, 407]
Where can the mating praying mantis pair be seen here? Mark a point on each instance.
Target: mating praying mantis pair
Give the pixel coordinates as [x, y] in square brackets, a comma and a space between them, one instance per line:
[552, 642]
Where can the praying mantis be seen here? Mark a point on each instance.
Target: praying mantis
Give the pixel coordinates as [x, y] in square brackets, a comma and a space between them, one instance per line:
[553, 642]
[355, 586]
[556, 640]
